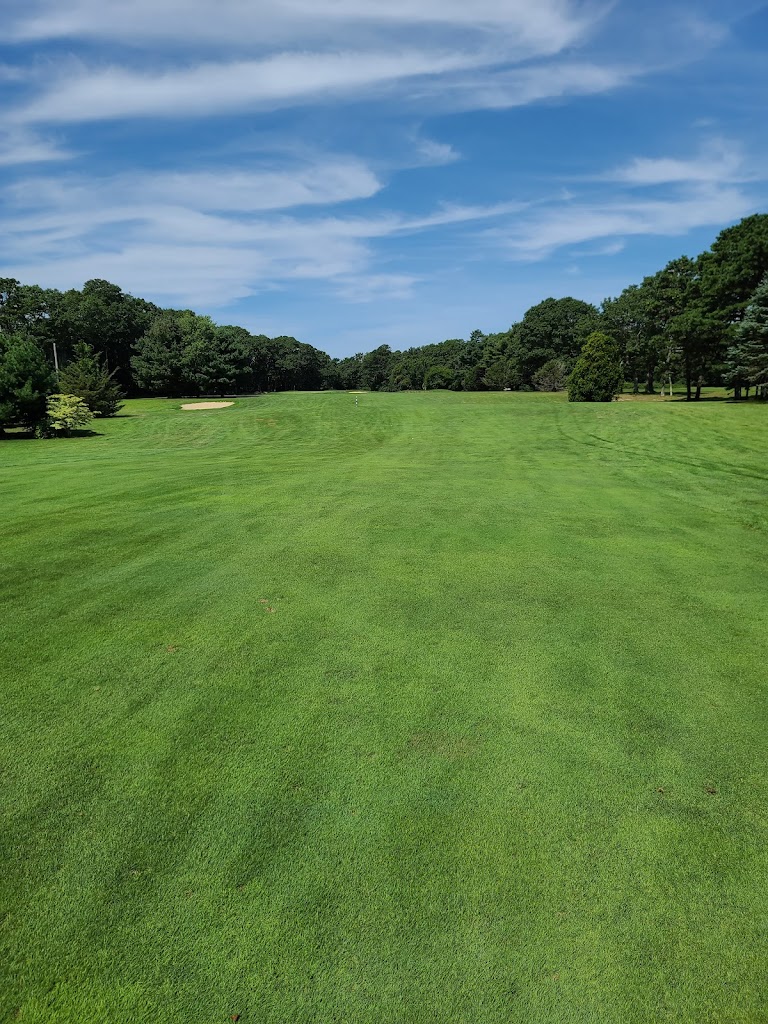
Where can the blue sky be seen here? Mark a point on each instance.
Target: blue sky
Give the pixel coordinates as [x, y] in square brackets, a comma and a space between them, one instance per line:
[360, 172]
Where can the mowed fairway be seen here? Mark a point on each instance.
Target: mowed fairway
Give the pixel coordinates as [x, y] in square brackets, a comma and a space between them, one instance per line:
[446, 708]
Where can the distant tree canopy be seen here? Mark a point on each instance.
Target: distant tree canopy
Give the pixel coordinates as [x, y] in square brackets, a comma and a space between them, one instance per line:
[555, 329]
[699, 320]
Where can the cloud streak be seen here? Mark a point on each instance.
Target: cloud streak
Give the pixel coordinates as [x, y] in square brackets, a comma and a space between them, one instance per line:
[545, 27]
[561, 225]
[21, 146]
[215, 237]
[271, 55]
[720, 161]
[275, 147]
[207, 89]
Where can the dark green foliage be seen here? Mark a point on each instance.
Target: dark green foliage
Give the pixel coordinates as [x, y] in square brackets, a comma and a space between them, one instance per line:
[159, 366]
[349, 371]
[747, 362]
[629, 320]
[186, 354]
[502, 374]
[297, 365]
[553, 375]
[677, 316]
[375, 368]
[207, 366]
[26, 309]
[399, 378]
[438, 377]
[734, 267]
[26, 379]
[554, 329]
[597, 375]
[101, 315]
[474, 378]
[107, 319]
[87, 377]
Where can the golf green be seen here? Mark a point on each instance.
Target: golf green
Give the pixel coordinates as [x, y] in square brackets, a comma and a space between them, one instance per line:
[443, 708]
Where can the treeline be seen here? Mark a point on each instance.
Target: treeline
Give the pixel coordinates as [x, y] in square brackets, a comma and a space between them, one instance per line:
[109, 344]
[699, 320]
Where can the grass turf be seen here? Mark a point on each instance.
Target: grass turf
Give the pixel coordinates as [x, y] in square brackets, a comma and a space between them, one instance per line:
[496, 755]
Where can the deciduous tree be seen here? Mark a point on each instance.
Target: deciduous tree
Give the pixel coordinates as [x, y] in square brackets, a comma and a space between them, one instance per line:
[554, 329]
[67, 413]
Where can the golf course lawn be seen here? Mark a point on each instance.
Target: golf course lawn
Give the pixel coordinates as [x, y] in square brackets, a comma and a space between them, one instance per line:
[443, 708]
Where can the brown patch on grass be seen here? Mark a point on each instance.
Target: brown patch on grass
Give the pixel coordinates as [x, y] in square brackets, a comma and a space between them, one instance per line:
[642, 398]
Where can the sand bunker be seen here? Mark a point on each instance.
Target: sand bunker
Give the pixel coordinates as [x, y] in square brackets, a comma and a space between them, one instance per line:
[207, 405]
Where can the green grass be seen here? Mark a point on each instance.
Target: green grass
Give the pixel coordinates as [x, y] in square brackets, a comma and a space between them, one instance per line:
[497, 755]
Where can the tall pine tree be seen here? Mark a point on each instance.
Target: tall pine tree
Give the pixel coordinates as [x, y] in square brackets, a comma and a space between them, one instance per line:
[747, 364]
[87, 378]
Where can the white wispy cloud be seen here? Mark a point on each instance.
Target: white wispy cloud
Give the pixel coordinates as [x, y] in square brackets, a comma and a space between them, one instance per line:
[19, 145]
[423, 80]
[544, 27]
[206, 231]
[212, 237]
[431, 153]
[211, 88]
[13, 73]
[559, 225]
[517, 87]
[319, 182]
[370, 287]
[719, 161]
[277, 53]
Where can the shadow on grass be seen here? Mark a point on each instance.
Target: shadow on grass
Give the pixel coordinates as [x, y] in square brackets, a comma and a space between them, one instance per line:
[729, 399]
[28, 435]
